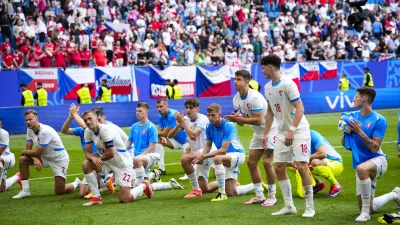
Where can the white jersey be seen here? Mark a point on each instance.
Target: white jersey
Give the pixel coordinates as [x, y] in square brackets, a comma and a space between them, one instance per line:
[4, 140]
[47, 137]
[119, 131]
[280, 96]
[253, 102]
[106, 136]
[200, 122]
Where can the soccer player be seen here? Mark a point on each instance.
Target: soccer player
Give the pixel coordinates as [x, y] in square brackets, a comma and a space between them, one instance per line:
[7, 161]
[228, 156]
[80, 132]
[50, 152]
[194, 123]
[325, 162]
[398, 133]
[144, 135]
[250, 108]
[114, 156]
[368, 130]
[167, 121]
[293, 136]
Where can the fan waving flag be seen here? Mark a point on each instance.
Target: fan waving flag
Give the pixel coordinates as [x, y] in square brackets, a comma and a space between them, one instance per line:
[328, 69]
[309, 71]
[71, 79]
[213, 83]
[292, 73]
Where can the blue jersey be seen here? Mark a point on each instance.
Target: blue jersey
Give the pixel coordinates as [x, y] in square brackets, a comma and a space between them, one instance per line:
[317, 141]
[169, 121]
[226, 132]
[142, 136]
[80, 132]
[398, 129]
[374, 125]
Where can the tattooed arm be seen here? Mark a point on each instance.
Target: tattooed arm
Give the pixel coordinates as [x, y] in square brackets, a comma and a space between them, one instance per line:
[373, 144]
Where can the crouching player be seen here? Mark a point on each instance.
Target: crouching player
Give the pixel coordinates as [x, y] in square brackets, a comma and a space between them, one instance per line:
[228, 156]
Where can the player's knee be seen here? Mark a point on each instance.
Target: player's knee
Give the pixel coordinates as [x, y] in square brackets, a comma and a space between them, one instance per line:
[124, 200]
[217, 159]
[23, 159]
[361, 171]
[86, 167]
[251, 163]
[267, 163]
[316, 162]
[185, 159]
[137, 163]
[279, 168]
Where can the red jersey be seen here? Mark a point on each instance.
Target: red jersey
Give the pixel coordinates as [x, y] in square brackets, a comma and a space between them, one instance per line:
[240, 14]
[19, 58]
[155, 25]
[75, 58]
[4, 46]
[50, 46]
[37, 49]
[118, 55]
[101, 58]
[100, 29]
[45, 62]
[60, 59]
[25, 49]
[94, 46]
[20, 41]
[85, 55]
[8, 59]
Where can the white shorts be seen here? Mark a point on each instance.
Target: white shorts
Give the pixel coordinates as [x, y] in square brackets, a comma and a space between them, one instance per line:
[299, 150]
[59, 168]
[102, 174]
[122, 166]
[8, 163]
[176, 144]
[256, 141]
[237, 159]
[381, 168]
[152, 158]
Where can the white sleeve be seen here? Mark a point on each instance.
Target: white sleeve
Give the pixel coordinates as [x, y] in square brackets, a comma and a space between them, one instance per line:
[235, 104]
[107, 134]
[88, 136]
[266, 92]
[257, 104]
[44, 138]
[4, 138]
[28, 135]
[202, 123]
[292, 91]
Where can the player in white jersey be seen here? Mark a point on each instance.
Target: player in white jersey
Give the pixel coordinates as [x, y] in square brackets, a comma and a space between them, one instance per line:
[7, 161]
[114, 155]
[250, 108]
[293, 136]
[50, 152]
[194, 123]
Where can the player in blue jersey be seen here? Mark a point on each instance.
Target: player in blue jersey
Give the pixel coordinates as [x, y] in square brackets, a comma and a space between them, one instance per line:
[325, 162]
[398, 133]
[80, 132]
[228, 156]
[145, 137]
[368, 130]
[167, 121]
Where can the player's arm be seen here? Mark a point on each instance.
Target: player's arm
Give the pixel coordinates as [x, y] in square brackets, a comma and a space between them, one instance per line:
[150, 149]
[65, 129]
[110, 151]
[255, 120]
[174, 131]
[34, 153]
[269, 119]
[398, 132]
[373, 144]
[74, 111]
[207, 147]
[221, 151]
[3, 143]
[298, 105]
[320, 153]
[2, 148]
[163, 132]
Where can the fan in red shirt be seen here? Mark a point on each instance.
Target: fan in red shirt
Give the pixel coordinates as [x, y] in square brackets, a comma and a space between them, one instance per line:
[37, 48]
[7, 60]
[60, 57]
[6, 44]
[18, 59]
[100, 58]
[68, 49]
[101, 28]
[94, 44]
[75, 57]
[45, 58]
[20, 41]
[49, 45]
[25, 47]
[85, 56]
[119, 51]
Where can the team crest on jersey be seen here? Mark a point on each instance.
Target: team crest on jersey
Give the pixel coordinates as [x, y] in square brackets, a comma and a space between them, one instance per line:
[143, 131]
[248, 106]
[368, 125]
[281, 93]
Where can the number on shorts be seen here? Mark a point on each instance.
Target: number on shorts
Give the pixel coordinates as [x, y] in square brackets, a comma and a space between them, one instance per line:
[63, 169]
[304, 148]
[127, 177]
[278, 107]
[274, 139]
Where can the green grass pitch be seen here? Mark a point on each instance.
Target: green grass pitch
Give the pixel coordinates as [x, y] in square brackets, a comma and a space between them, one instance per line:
[169, 207]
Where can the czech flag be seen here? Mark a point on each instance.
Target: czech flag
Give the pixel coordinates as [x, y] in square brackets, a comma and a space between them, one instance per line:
[292, 73]
[328, 69]
[309, 70]
[213, 83]
[48, 77]
[70, 82]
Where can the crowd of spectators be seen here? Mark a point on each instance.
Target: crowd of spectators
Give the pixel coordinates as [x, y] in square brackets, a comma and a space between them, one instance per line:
[76, 33]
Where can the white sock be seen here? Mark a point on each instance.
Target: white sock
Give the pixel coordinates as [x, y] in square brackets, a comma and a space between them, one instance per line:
[383, 200]
[160, 150]
[10, 181]
[25, 185]
[193, 179]
[161, 186]
[271, 190]
[244, 189]
[93, 185]
[102, 183]
[308, 195]
[286, 189]
[259, 190]
[75, 184]
[365, 195]
[1, 172]
[220, 175]
[137, 191]
[139, 175]
[151, 176]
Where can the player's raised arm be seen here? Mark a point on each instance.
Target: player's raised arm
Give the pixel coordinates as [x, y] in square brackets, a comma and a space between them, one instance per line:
[174, 131]
[74, 111]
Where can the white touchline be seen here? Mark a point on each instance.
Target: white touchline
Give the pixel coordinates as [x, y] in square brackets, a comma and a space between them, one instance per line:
[171, 164]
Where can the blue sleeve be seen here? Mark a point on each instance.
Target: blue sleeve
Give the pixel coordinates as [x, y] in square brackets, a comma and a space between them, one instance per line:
[208, 133]
[229, 131]
[161, 122]
[398, 133]
[171, 121]
[153, 134]
[316, 140]
[130, 138]
[78, 131]
[380, 128]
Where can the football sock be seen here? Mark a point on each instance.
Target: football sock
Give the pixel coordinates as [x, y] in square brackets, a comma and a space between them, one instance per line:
[244, 189]
[383, 200]
[220, 175]
[140, 175]
[259, 190]
[151, 176]
[161, 186]
[326, 173]
[194, 181]
[365, 194]
[271, 190]
[10, 181]
[92, 182]
[308, 195]
[160, 150]
[25, 185]
[286, 189]
[137, 191]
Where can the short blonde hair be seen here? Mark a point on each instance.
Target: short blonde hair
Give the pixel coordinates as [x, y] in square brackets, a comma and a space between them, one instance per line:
[30, 111]
[214, 108]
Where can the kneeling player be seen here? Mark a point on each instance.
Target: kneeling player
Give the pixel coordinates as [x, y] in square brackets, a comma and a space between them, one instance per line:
[229, 156]
[114, 156]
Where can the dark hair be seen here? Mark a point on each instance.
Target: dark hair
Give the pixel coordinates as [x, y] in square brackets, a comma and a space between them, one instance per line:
[22, 85]
[243, 73]
[30, 111]
[175, 81]
[168, 80]
[104, 80]
[99, 111]
[39, 83]
[369, 91]
[143, 105]
[271, 59]
[366, 68]
[192, 102]
[161, 100]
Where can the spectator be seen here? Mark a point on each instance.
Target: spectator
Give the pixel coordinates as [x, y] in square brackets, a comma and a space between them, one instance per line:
[45, 57]
[60, 58]
[141, 56]
[85, 56]
[190, 56]
[75, 58]
[7, 60]
[18, 59]
[119, 51]
[132, 57]
[100, 57]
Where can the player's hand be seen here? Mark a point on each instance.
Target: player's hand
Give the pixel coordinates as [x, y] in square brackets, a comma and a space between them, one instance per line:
[163, 140]
[198, 159]
[37, 164]
[289, 138]
[97, 161]
[234, 117]
[73, 110]
[355, 126]
[179, 116]
[264, 141]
